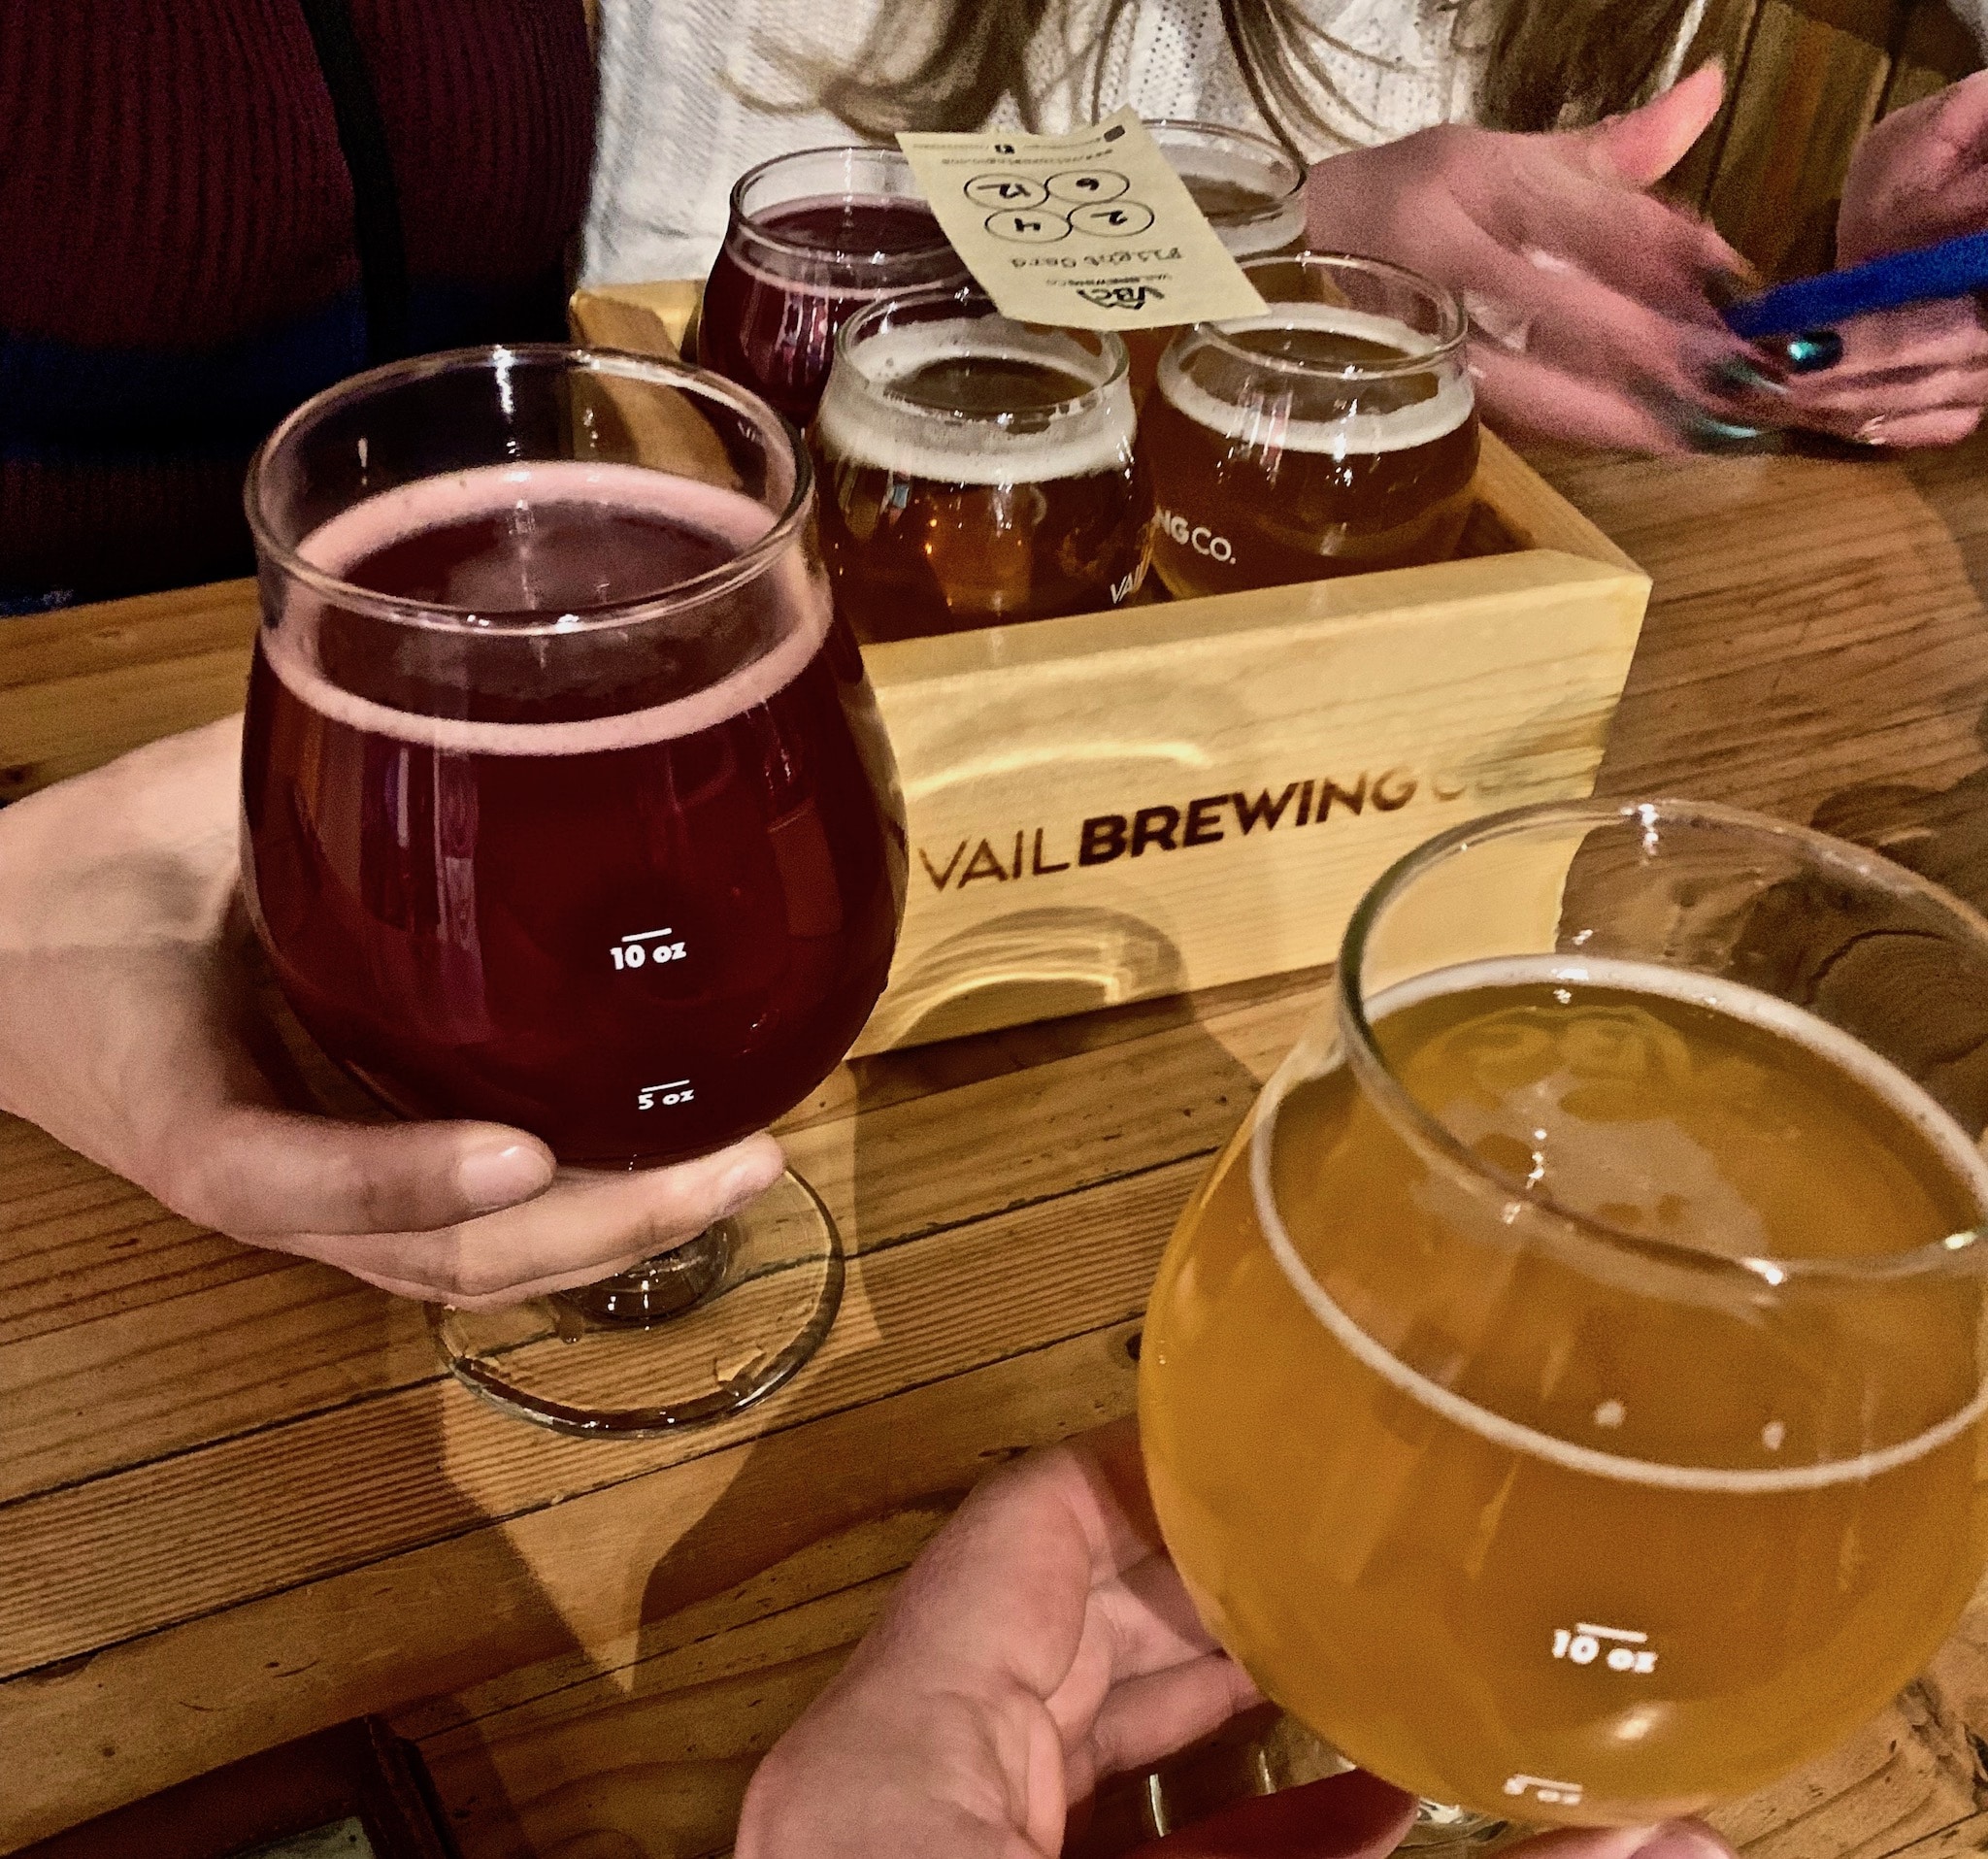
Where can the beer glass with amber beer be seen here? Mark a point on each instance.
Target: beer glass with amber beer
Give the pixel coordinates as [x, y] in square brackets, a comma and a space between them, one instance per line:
[976, 470]
[1334, 433]
[1250, 190]
[1565, 1393]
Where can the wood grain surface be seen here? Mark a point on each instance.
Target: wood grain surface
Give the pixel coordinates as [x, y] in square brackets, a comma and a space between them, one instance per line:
[1807, 78]
[1411, 700]
[238, 1501]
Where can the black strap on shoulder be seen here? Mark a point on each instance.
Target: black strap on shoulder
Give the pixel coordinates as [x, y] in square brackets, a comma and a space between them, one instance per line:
[375, 197]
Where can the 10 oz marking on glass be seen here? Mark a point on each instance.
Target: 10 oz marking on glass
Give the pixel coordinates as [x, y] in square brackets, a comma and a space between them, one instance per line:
[1545, 1790]
[644, 947]
[1582, 1645]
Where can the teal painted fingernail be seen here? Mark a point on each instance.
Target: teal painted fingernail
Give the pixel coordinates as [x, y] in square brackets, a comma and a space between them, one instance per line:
[1707, 432]
[1813, 350]
[1737, 375]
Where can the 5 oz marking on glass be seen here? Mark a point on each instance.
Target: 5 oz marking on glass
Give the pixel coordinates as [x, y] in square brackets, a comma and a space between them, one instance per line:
[1564, 1794]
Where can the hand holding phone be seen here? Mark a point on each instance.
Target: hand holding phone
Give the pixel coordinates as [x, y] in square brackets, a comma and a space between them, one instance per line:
[1893, 349]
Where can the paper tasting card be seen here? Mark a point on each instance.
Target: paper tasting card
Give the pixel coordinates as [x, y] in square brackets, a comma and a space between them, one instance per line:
[1092, 230]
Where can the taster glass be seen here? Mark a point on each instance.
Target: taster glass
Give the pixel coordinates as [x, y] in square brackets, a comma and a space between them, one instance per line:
[1252, 190]
[1333, 434]
[1565, 1393]
[565, 804]
[976, 471]
[813, 238]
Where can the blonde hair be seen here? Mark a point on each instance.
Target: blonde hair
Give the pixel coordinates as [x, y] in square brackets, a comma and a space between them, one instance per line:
[1550, 62]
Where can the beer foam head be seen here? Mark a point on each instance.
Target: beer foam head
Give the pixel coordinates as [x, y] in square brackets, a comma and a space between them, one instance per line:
[1265, 416]
[1254, 234]
[800, 603]
[1838, 1047]
[379, 522]
[867, 419]
[1238, 193]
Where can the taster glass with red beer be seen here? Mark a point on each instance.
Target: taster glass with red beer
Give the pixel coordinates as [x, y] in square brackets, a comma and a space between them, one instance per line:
[814, 237]
[565, 804]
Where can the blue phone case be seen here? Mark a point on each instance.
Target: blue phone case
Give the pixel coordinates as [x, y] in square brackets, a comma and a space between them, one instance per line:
[1953, 268]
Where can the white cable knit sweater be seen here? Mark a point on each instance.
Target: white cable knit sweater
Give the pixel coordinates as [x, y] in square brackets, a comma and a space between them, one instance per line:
[693, 92]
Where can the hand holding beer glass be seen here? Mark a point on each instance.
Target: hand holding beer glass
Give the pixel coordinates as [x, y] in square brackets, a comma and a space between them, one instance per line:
[1565, 1393]
[1333, 434]
[566, 806]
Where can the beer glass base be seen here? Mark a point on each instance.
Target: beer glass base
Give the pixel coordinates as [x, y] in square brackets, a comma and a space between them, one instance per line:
[679, 1341]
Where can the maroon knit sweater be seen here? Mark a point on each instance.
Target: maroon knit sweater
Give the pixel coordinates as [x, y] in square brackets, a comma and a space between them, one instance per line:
[178, 258]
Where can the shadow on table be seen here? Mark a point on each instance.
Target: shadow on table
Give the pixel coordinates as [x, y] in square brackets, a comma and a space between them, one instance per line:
[1950, 479]
[424, 1452]
[986, 1365]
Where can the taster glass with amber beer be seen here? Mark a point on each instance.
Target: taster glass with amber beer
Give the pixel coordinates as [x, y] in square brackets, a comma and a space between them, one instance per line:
[1334, 433]
[1250, 190]
[1565, 1393]
[975, 471]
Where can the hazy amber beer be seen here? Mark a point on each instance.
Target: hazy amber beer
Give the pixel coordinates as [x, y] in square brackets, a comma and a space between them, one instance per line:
[1248, 188]
[1565, 1394]
[1333, 434]
[976, 471]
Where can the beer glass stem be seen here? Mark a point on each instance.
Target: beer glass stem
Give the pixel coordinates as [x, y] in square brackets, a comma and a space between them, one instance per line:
[1443, 1832]
[662, 1287]
[684, 1339]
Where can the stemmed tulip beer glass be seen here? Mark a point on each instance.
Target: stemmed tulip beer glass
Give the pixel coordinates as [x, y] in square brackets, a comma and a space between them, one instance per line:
[565, 804]
[1566, 1394]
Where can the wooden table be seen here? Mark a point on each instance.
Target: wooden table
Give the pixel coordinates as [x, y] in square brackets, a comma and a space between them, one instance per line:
[238, 1500]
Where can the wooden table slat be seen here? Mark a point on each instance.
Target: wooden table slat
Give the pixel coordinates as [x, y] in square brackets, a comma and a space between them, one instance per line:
[585, 1574]
[998, 1142]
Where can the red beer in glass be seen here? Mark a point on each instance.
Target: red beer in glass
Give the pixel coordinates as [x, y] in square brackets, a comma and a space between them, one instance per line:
[814, 237]
[566, 804]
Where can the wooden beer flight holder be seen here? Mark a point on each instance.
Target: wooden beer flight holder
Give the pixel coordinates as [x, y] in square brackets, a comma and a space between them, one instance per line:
[1180, 794]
